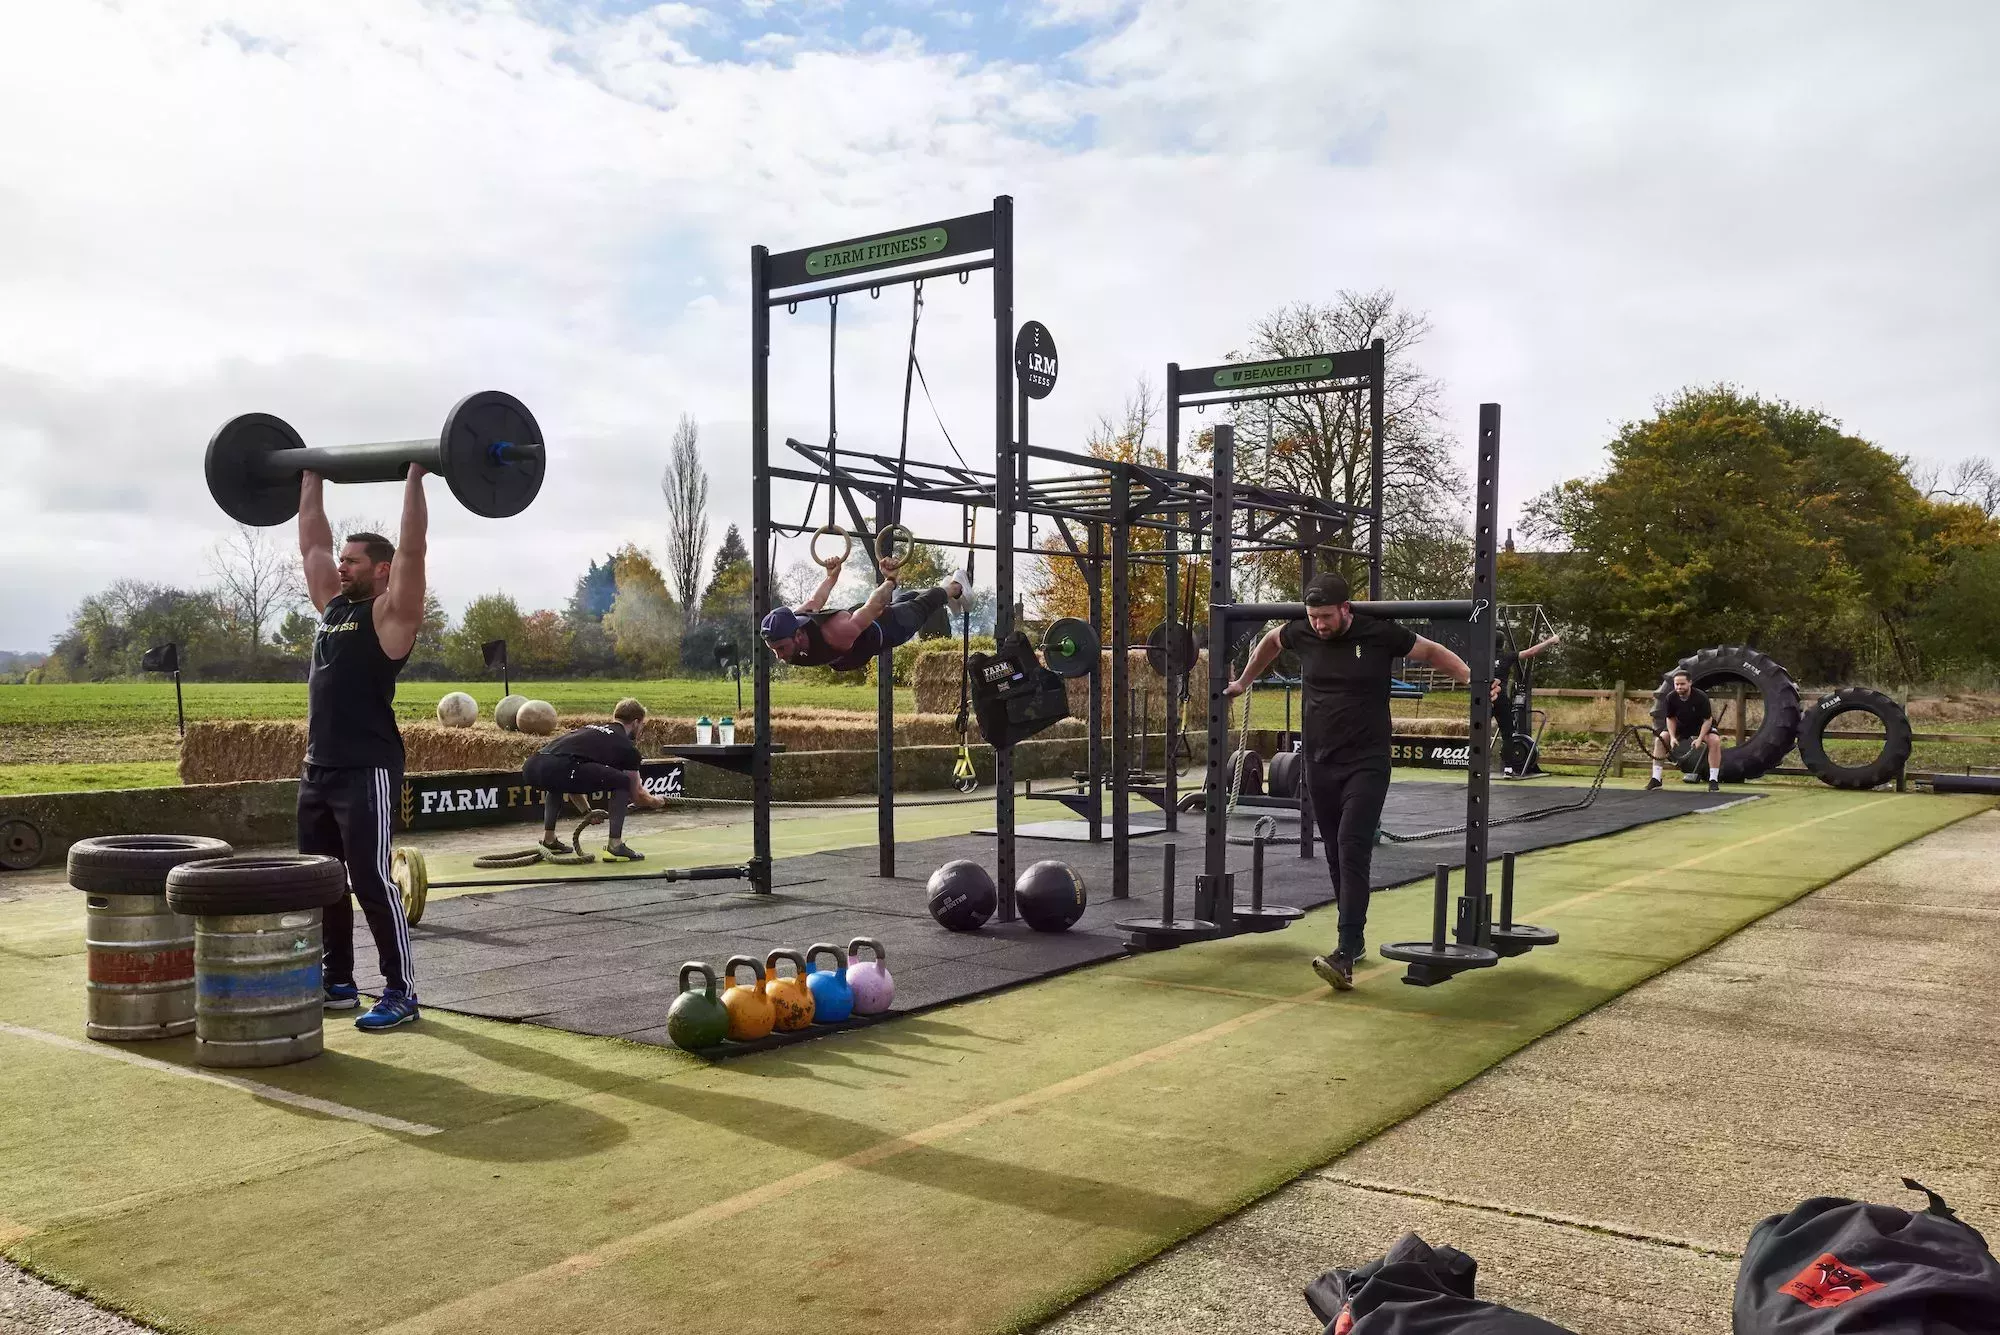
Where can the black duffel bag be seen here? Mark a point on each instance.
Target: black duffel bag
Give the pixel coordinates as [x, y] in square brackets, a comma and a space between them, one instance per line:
[1415, 1289]
[1839, 1267]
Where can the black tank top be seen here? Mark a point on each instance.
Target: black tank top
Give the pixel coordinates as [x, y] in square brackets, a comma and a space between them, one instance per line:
[351, 692]
[818, 653]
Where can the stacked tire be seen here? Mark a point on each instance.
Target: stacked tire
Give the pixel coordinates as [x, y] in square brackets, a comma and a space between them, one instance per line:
[1762, 751]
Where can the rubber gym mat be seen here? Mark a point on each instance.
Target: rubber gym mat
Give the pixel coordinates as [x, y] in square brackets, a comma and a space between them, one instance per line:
[836, 896]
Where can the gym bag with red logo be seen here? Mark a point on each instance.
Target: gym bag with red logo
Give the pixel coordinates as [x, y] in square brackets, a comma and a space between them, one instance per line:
[1839, 1267]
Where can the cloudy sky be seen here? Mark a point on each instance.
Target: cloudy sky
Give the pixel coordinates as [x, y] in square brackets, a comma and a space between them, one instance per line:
[352, 214]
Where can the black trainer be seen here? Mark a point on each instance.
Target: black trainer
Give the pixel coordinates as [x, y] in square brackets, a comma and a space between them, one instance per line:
[1335, 970]
[1652, 783]
[554, 844]
[1714, 787]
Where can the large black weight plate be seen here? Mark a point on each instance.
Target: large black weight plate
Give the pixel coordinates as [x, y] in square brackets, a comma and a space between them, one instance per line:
[1169, 644]
[1070, 647]
[1282, 777]
[231, 469]
[485, 483]
[1429, 965]
[1269, 918]
[20, 845]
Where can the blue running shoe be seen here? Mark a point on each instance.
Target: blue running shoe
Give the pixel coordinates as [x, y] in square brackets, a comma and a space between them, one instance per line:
[393, 1009]
[342, 997]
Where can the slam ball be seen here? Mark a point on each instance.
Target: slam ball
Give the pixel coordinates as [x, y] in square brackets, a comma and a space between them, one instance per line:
[962, 896]
[536, 717]
[458, 710]
[1050, 896]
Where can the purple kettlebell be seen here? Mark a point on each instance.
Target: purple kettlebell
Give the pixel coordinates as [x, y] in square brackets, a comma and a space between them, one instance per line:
[869, 980]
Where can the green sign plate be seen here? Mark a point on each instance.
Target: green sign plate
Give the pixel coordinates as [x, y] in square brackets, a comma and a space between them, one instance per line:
[897, 249]
[1242, 377]
[884, 250]
[1268, 373]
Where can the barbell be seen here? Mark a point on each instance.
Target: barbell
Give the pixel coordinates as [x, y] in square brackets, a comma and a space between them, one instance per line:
[490, 454]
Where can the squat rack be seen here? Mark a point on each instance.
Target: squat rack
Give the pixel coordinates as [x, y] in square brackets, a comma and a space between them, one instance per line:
[1096, 504]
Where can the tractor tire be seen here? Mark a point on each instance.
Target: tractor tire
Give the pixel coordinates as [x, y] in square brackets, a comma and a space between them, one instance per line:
[1773, 740]
[1848, 700]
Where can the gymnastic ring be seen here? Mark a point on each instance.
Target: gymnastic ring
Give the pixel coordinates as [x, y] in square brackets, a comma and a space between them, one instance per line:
[830, 530]
[894, 543]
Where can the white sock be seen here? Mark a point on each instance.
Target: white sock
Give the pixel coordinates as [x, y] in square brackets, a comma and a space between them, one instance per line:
[1714, 774]
[1657, 771]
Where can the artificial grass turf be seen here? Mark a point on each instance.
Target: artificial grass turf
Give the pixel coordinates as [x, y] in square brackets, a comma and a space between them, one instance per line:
[969, 1169]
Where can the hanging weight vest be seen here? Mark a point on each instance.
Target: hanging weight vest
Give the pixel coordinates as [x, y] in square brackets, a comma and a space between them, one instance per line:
[1013, 695]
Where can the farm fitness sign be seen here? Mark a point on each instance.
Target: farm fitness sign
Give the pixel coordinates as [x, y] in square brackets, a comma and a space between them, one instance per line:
[491, 797]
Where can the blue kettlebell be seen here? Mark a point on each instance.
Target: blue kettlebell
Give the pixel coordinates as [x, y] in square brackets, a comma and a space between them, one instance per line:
[833, 999]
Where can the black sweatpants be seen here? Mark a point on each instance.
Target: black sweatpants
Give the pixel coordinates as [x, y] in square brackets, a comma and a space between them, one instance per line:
[1347, 807]
[558, 776]
[347, 814]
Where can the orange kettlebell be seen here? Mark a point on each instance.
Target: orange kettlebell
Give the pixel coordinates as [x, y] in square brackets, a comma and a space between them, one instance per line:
[790, 997]
[751, 1013]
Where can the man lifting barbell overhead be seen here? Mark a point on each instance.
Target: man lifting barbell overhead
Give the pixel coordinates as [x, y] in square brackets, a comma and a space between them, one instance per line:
[371, 603]
[809, 636]
[1344, 661]
[596, 758]
[1689, 719]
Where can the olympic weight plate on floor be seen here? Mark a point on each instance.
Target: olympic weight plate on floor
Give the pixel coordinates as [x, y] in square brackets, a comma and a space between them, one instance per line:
[1070, 647]
[20, 845]
[412, 879]
[477, 467]
[233, 476]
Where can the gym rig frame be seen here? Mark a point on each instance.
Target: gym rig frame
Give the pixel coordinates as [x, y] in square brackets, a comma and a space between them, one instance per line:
[1093, 506]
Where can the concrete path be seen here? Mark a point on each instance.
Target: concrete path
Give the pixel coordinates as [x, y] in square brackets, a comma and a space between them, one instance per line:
[1607, 1177]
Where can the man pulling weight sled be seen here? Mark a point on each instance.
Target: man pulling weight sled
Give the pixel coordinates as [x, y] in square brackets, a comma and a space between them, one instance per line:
[1344, 661]
[809, 636]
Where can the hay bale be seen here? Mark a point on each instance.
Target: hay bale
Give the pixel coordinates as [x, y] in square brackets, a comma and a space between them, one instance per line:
[504, 712]
[537, 717]
[458, 710]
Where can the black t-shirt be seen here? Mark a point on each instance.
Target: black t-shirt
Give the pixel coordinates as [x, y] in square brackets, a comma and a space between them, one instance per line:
[818, 653]
[1504, 663]
[351, 691]
[1346, 689]
[602, 743]
[1689, 714]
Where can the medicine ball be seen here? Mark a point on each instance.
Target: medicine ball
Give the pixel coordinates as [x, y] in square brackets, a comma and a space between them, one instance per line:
[962, 896]
[1050, 896]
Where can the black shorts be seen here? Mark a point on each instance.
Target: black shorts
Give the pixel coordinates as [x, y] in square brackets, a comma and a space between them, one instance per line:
[572, 774]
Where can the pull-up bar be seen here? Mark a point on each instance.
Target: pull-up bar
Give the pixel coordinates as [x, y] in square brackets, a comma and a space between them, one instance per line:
[1435, 609]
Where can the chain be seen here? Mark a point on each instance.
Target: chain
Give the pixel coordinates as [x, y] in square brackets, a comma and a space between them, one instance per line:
[1603, 769]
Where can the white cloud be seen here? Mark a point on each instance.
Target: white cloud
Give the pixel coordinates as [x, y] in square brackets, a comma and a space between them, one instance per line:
[352, 215]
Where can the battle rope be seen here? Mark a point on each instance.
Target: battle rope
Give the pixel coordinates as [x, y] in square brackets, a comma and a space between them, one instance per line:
[1596, 784]
[535, 853]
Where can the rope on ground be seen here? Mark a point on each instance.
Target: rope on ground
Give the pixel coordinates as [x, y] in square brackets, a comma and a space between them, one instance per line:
[1596, 785]
[536, 853]
[830, 806]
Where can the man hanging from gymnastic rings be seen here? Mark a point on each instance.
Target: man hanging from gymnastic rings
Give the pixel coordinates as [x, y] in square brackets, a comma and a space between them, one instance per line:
[844, 640]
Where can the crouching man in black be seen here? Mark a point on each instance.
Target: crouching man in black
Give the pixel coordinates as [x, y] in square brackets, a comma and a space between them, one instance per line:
[1344, 661]
[596, 758]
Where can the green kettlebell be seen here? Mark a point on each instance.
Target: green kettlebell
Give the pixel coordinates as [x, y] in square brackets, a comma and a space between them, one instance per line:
[697, 1019]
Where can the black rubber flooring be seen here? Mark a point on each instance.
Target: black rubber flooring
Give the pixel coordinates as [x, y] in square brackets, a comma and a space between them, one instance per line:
[604, 959]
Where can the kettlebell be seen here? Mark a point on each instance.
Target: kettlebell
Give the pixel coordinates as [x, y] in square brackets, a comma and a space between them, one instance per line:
[869, 980]
[697, 1019]
[790, 997]
[751, 1014]
[833, 999]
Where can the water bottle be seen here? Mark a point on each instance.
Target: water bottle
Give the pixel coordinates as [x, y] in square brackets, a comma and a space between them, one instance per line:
[704, 731]
[728, 731]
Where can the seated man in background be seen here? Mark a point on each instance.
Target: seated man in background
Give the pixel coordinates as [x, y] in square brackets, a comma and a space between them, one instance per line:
[596, 758]
[1688, 715]
[808, 636]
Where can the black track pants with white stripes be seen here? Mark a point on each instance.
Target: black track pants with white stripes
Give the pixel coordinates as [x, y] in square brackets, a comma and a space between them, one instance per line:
[346, 813]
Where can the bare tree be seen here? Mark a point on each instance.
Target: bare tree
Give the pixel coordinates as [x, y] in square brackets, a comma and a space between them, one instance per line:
[685, 485]
[1972, 481]
[1320, 445]
[256, 576]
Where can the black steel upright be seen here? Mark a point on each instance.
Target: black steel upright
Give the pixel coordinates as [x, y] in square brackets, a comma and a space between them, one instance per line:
[1004, 469]
[1213, 896]
[760, 565]
[1376, 373]
[1121, 686]
[1474, 920]
[885, 725]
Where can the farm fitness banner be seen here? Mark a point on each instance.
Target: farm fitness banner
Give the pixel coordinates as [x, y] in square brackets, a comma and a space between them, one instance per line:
[491, 797]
